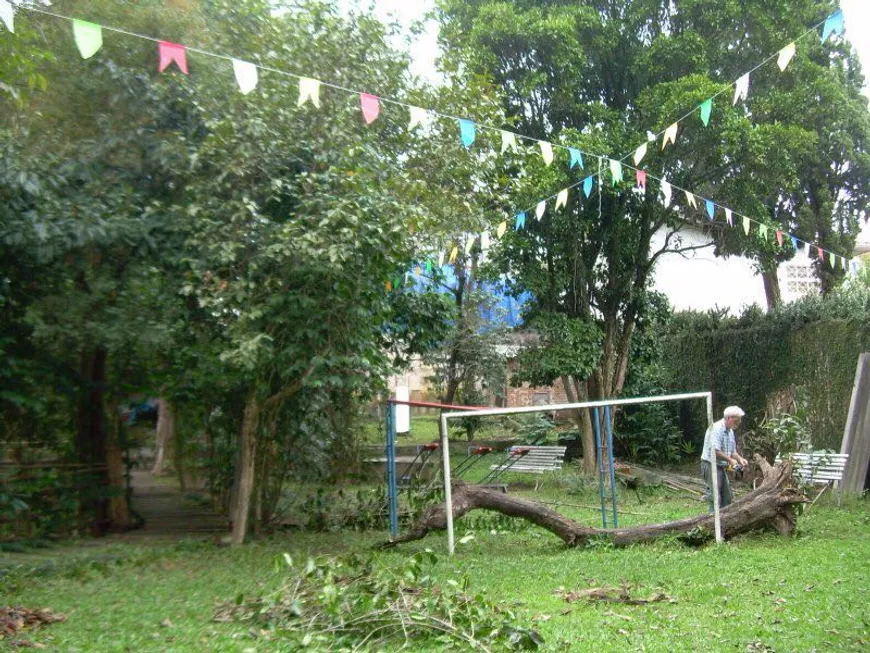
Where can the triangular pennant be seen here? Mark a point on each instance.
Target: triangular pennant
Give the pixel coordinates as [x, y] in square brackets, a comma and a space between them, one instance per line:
[540, 208]
[833, 25]
[587, 186]
[833, 260]
[562, 198]
[469, 244]
[418, 271]
[639, 153]
[546, 152]
[453, 254]
[667, 192]
[484, 241]
[576, 158]
[843, 262]
[670, 135]
[785, 55]
[616, 171]
[440, 259]
[640, 176]
[711, 209]
[7, 15]
[508, 140]
[762, 231]
[794, 242]
[741, 88]
[388, 285]
[821, 253]
[501, 229]
[729, 217]
[309, 89]
[429, 266]
[746, 225]
[246, 75]
[706, 110]
[520, 221]
[854, 267]
[779, 237]
[467, 132]
[371, 107]
[170, 52]
[418, 117]
[88, 37]
[690, 200]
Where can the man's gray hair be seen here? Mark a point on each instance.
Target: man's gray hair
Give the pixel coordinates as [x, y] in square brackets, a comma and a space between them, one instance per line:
[733, 411]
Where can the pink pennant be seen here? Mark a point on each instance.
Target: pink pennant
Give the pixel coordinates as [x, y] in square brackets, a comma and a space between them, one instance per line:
[170, 52]
[821, 254]
[641, 179]
[371, 107]
[779, 237]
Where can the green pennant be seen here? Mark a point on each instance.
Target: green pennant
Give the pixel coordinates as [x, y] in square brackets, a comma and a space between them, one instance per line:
[706, 110]
[88, 36]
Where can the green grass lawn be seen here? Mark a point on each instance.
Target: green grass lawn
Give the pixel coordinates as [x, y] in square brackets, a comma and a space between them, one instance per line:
[759, 592]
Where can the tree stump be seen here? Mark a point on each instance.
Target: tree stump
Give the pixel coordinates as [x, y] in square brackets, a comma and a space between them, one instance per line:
[770, 505]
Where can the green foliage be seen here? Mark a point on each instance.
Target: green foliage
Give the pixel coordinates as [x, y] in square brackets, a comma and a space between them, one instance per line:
[355, 600]
[565, 346]
[811, 346]
[778, 435]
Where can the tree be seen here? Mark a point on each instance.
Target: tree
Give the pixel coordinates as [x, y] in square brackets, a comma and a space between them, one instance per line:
[597, 75]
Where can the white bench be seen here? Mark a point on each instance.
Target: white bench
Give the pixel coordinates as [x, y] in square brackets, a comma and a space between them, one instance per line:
[818, 467]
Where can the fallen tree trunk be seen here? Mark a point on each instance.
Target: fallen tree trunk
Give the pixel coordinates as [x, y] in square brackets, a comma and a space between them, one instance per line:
[770, 505]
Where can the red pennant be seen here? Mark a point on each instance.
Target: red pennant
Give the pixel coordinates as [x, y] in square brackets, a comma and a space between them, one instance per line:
[170, 52]
[779, 237]
[371, 107]
[821, 254]
[641, 179]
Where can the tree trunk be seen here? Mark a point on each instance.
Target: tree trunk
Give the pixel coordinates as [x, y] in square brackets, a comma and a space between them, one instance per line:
[247, 466]
[165, 436]
[771, 289]
[771, 505]
[90, 441]
[583, 420]
[120, 518]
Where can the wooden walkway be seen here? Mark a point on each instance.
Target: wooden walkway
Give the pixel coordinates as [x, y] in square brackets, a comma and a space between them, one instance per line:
[167, 512]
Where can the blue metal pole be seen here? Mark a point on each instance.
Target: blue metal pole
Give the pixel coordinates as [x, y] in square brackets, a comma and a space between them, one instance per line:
[609, 427]
[392, 493]
[598, 454]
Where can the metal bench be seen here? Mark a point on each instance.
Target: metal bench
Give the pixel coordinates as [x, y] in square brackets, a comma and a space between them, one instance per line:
[527, 459]
[818, 467]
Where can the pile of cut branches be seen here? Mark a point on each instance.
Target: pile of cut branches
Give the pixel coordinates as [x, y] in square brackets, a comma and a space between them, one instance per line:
[357, 603]
[13, 620]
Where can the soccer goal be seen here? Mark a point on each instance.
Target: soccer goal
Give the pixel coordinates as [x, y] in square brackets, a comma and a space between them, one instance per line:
[606, 467]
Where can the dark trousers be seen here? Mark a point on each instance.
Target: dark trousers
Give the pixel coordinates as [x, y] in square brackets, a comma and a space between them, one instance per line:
[725, 496]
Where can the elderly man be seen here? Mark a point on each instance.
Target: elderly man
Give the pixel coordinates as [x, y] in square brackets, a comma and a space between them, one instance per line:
[721, 447]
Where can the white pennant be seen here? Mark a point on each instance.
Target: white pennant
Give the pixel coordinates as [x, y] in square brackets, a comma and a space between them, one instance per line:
[666, 191]
[539, 210]
[546, 152]
[418, 117]
[562, 198]
[785, 55]
[7, 15]
[484, 241]
[469, 244]
[441, 259]
[508, 140]
[670, 135]
[729, 218]
[691, 200]
[309, 89]
[246, 75]
[639, 153]
[650, 137]
[741, 88]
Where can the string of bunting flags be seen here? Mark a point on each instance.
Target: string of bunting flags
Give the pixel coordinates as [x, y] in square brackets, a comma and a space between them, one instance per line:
[88, 37]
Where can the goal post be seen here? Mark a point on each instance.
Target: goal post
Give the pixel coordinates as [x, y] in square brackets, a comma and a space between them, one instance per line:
[492, 412]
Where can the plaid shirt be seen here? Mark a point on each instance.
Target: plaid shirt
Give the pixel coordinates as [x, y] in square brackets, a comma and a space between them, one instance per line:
[721, 439]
